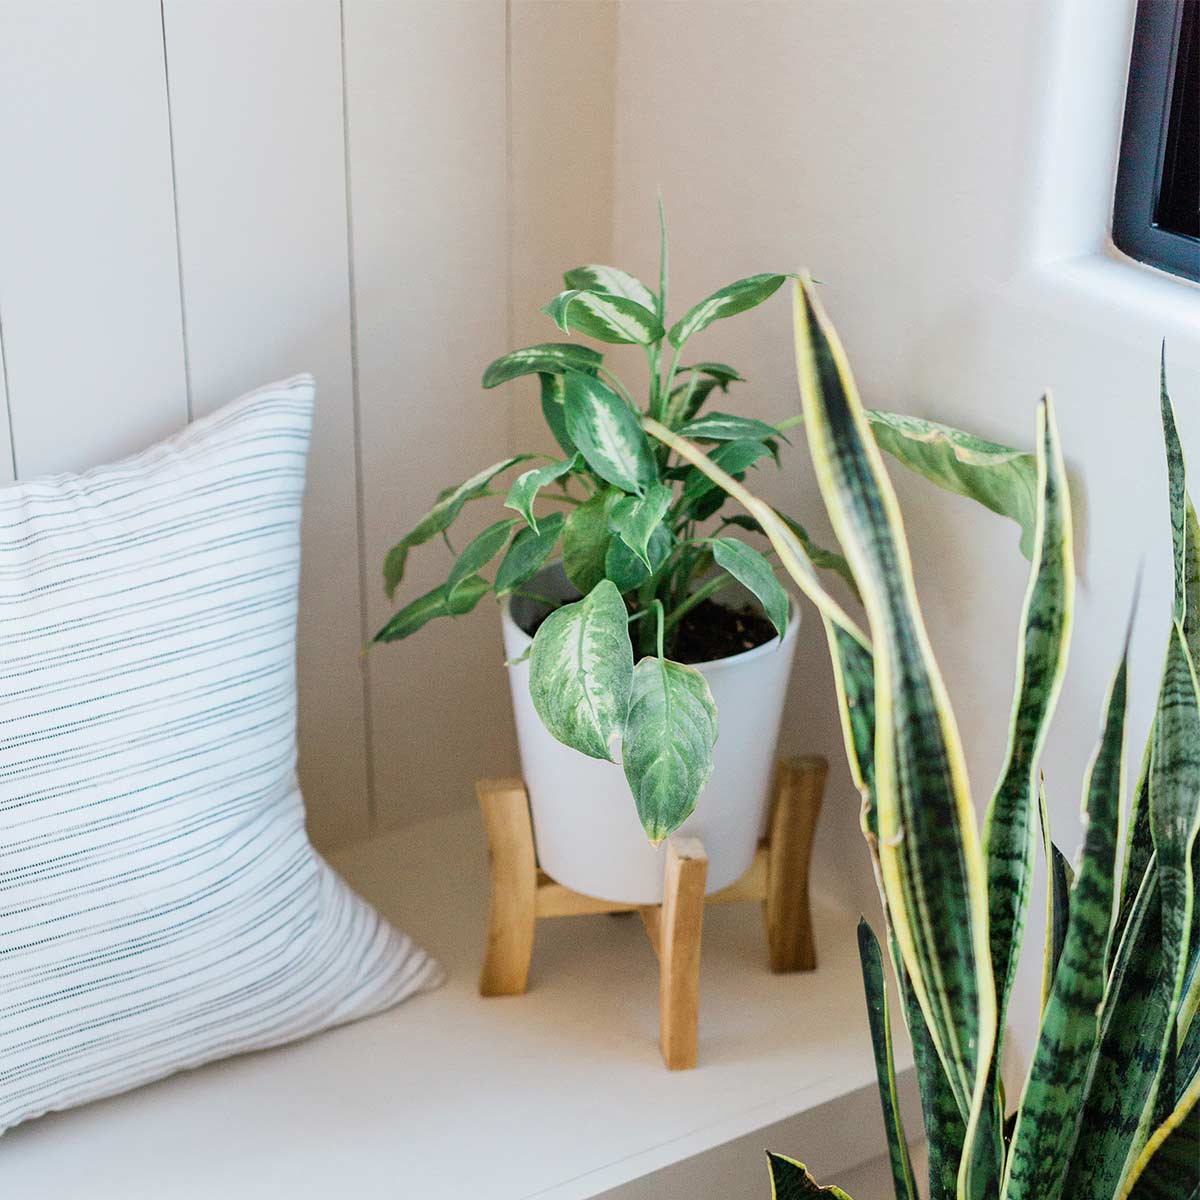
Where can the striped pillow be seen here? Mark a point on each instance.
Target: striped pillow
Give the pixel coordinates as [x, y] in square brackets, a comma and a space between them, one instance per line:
[160, 904]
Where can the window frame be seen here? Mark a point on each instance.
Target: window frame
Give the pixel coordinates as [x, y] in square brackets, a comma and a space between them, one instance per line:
[1152, 71]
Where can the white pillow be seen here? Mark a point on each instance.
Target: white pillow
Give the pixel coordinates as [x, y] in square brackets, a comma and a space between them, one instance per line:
[160, 904]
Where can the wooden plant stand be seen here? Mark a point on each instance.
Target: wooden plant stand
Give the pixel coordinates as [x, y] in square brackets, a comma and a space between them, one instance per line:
[521, 894]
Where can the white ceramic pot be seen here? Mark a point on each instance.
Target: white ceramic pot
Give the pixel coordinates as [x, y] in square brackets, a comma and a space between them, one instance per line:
[585, 824]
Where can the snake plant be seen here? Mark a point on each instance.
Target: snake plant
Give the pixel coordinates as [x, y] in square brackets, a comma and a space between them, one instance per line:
[641, 533]
[1110, 1107]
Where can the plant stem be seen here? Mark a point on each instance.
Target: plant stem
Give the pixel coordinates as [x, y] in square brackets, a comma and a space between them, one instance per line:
[619, 386]
[536, 597]
[658, 609]
[701, 594]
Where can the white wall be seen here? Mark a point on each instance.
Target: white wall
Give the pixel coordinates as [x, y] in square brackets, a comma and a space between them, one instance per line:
[946, 169]
[203, 195]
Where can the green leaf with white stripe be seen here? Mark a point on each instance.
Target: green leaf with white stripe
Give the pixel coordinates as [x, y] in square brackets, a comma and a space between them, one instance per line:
[790, 1180]
[635, 518]
[440, 517]
[1048, 1118]
[721, 372]
[476, 555]
[435, 603]
[527, 485]
[885, 1068]
[727, 302]
[528, 552]
[607, 433]
[688, 398]
[586, 538]
[612, 319]
[726, 427]
[581, 671]
[612, 281]
[929, 854]
[546, 358]
[668, 742]
[755, 574]
[553, 411]
[996, 476]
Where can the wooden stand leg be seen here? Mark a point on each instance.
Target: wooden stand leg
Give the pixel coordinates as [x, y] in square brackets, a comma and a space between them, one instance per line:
[799, 786]
[674, 930]
[513, 912]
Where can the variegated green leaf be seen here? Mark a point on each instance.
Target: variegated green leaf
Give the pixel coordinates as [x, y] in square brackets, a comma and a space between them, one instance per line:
[727, 302]
[723, 374]
[613, 319]
[668, 741]
[688, 398]
[586, 538]
[929, 852]
[790, 1180]
[1123, 1067]
[436, 603]
[440, 517]
[528, 552]
[635, 518]
[527, 485]
[1009, 835]
[755, 574]
[612, 281]
[826, 560]
[994, 475]
[476, 555]
[1169, 1167]
[548, 358]
[607, 433]
[1052, 1101]
[628, 571]
[554, 412]
[734, 457]
[885, 1068]
[581, 671]
[725, 427]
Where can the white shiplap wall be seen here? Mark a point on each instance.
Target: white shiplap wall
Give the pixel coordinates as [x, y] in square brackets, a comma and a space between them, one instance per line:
[203, 195]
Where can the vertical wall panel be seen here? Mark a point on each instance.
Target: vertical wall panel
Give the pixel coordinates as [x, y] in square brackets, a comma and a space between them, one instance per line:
[256, 109]
[89, 288]
[6, 454]
[426, 126]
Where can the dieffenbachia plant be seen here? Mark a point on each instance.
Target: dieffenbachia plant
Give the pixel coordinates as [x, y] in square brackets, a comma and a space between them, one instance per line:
[1110, 1107]
[641, 532]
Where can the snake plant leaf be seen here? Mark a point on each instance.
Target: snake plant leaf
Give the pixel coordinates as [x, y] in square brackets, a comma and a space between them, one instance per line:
[755, 574]
[1139, 845]
[1123, 1068]
[790, 1180]
[586, 538]
[1169, 1166]
[721, 372]
[581, 671]
[726, 427]
[1009, 834]
[1058, 914]
[527, 553]
[668, 742]
[435, 603]
[527, 485]
[606, 318]
[994, 475]
[1176, 490]
[1191, 585]
[885, 1068]
[476, 555]
[612, 281]
[1052, 1101]
[929, 853]
[554, 412]
[726, 302]
[635, 518]
[1174, 825]
[626, 569]
[449, 505]
[546, 358]
[607, 433]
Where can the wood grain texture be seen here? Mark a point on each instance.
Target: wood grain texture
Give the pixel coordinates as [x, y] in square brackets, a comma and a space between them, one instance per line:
[678, 944]
[800, 785]
[512, 911]
[426, 126]
[90, 288]
[261, 196]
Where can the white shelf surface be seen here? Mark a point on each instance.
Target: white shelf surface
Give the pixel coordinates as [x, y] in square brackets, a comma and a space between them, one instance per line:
[559, 1094]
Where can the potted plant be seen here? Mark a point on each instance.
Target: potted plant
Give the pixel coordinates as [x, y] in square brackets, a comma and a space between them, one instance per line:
[634, 608]
[1110, 1107]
